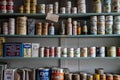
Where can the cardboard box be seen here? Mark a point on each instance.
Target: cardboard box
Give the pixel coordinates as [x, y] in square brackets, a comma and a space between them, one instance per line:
[35, 49]
[27, 49]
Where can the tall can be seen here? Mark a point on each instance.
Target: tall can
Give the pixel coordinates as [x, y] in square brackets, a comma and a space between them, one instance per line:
[10, 9]
[115, 6]
[111, 51]
[56, 8]
[100, 51]
[11, 26]
[62, 10]
[52, 52]
[70, 52]
[77, 52]
[69, 26]
[5, 28]
[64, 52]
[41, 51]
[74, 28]
[84, 52]
[39, 28]
[92, 51]
[45, 29]
[46, 52]
[58, 51]
[50, 8]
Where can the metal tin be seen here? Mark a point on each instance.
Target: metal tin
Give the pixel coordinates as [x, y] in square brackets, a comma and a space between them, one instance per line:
[10, 2]
[74, 10]
[74, 27]
[89, 77]
[41, 51]
[45, 29]
[116, 77]
[83, 52]
[103, 77]
[32, 8]
[109, 77]
[69, 26]
[81, 1]
[57, 74]
[101, 28]
[93, 30]
[93, 23]
[116, 29]
[115, 6]
[39, 28]
[21, 9]
[96, 77]
[27, 49]
[82, 8]
[107, 8]
[58, 52]
[51, 29]
[118, 51]
[68, 10]
[75, 77]
[70, 52]
[64, 52]
[68, 4]
[68, 76]
[52, 52]
[92, 52]
[77, 52]
[11, 26]
[63, 10]
[97, 8]
[10, 9]
[3, 2]
[99, 71]
[41, 8]
[50, 8]
[5, 28]
[100, 51]
[56, 8]
[43, 74]
[27, 8]
[107, 1]
[3, 9]
[111, 51]
[117, 20]
[83, 76]
[46, 52]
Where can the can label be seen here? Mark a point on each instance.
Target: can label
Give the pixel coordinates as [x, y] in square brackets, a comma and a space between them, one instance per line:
[41, 50]
[84, 52]
[27, 49]
[52, 54]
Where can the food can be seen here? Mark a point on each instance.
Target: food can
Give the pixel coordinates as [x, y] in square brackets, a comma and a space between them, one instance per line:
[10, 9]
[97, 7]
[27, 8]
[83, 52]
[75, 77]
[96, 77]
[3, 2]
[3, 9]
[92, 52]
[116, 77]
[116, 29]
[74, 28]
[39, 28]
[68, 76]
[45, 29]
[74, 10]
[50, 8]
[68, 4]
[41, 8]
[68, 10]
[89, 77]
[41, 51]
[5, 28]
[62, 10]
[32, 8]
[83, 76]
[33, 1]
[107, 8]
[81, 1]
[109, 77]
[10, 2]
[70, 52]
[117, 20]
[58, 51]
[27, 49]
[97, 1]
[46, 52]
[82, 8]
[43, 74]
[57, 74]
[109, 19]
[103, 77]
[11, 26]
[99, 71]
[52, 52]
[77, 52]
[21, 9]
[115, 6]
[100, 51]
[118, 51]
[111, 51]
[64, 52]
[101, 28]
[107, 1]
[56, 8]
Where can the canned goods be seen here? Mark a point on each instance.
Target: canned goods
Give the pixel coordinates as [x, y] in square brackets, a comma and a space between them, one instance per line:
[93, 29]
[10, 2]
[57, 74]
[58, 52]
[41, 50]
[92, 52]
[111, 51]
[11, 26]
[74, 28]
[97, 8]
[56, 9]
[117, 20]
[116, 77]
[89, 77]
[3, 9]
[39, 28]
[64, 52]
[68, 10]
[41, 8]
[96, 77]
[81, 1]
[83, 76]
[50, 8]
[82, 8]
[62, 10]
[3, 2]
[27, 8]
[68, 4]
[10, 9]
[33, 1]
[74, 10]
[117, 29]
[5, 28]
[70, 52]
[46, 52]
[75, 77]
[43, 74]
[100, 51]
[68, 76]
[109, 77]
[45, 29]
[77, 52]
[51, 29]
[83, 52]
[69, 26]
[115, 6]
[118, 51]
[21, 9]
[52, 52]
[107, 8]
[99, 71]
[32, 8]
[102, 77]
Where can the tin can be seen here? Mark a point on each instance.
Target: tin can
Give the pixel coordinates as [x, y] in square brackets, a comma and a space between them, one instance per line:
[41, 8]
[10, 9]
[81, 1]
[57, 74]
[3, 2]
[45, 29]
[27, 49]
[3, 9]
[83, 52]
[68, 4]
[83, 76]
[10, 2]
[50, 8]
[62, 10]
[43, 74]
[99, 71]
[93, 23]
[68, 10]
[97, 1]
[11, 26]
[89, 77]
[77, 52]
[109, 77]
[92, 52]
[101, 28]
[74, 28]
[118, 51]
[70, 52]
[46, 52]
[5, 28]
[58, 51]
[111, 51]
[107, 1]
[93, 30]
[103, 77]
[75, 77]
[117, 20]
[32, 8]
[41, 51]
[116, 77]
[82, 8]
[100, 51]
[64, 52]
[96, 77]
[116, 29]
[26, 1]
[109, 19]
[68, 76]
[97, 8]
[115, 6]
[33, 1]
[74, 10]
[107, 8]
[56, 8]
[27, 8]
[39, 28]
[21, 9]
[52, 52]
[69, 26]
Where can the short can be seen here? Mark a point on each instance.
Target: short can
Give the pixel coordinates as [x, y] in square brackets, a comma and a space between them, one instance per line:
[111, 51]
[92, 51]
[64, 52]
[84, 52]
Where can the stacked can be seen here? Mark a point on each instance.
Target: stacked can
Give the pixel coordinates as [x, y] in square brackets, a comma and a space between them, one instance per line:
[107, 6]
[64, 52]
[41, 8]
[38, 28]
[56, 8]
[100, 51]
[3, 4]
[10, 6]
[32, 8]
[116, 24]
[49, 8]
[111, 51]
[93, 22]
[118, 51]
[92, 51]
[115, 5]
[68, 7]
[81, 6]
[101, 25]
[21, 25]
[11, 26]
[5, 28]
[26, 6]
[97, 6]
[109, 25]
[62, 10]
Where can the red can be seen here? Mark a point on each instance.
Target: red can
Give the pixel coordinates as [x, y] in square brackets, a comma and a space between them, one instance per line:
[10, 9]
[52, 52]
[3, 9]
[46, 52]
[118, 51]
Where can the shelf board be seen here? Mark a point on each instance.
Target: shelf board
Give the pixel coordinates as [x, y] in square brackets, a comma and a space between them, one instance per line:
[60, 36]
[39, 15]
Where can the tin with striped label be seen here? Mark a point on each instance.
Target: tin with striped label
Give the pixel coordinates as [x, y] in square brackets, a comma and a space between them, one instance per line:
[3, 9]
[5, 28]
[84, 52]
[70, 52]
[21, 9]
[100, 51]
[41, 51]
[11, 26]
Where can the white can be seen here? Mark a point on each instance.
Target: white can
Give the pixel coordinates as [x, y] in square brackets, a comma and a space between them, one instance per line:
[68, 4]
[35, 49]
[70, 52]
[74, 10]
[77, 52]
[11, 26]
[81, 1]
[107, 8]
[5, 28]
[111, 51]
[3, 2]
[64, 52]
[116, 29]
[82, 8]
[58, 52]
[41, 8]
[84, 52]
[68, 10]
[62, 10]
[41, 51]
[92, 52]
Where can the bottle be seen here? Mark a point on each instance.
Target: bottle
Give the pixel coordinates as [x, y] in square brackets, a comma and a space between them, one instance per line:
[51, 29]
[74, 27]
[78, 29]
[84, 28]
[69, 26]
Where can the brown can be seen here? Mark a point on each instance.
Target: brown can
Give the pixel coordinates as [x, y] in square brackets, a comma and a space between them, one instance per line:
[39, 28]
[45, 29]
[46, 52]
[52, 52]
[32, 8]
[109, 77]
[99, 71]
[102, 77]
[68, 76]
[116, 77]
[27, 8]
[21, 9]
[75, 77]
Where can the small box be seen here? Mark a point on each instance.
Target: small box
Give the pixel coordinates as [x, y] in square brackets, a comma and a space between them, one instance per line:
[9, 74]
[35, 49]
[13, 49]
[27, 49]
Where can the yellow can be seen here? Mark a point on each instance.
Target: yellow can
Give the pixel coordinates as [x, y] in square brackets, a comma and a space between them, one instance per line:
[21, 9]
[96, 77]
[32, 8]
[27, 8]
[2, 40]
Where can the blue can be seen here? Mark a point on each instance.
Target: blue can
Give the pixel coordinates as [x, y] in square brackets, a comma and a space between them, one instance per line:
[100, 51]
[43, 74]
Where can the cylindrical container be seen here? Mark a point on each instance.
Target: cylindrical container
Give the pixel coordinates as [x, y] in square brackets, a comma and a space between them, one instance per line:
[62, 10]
[46, 52]
[107, 8]
[10, 9]
[74, 28]
[84, 52]
[21, 26]
[92, 52]
[45, 29]
[89, 77]
[58, 51]
[118, 51]
[99, 71]
[77, 52]
[96, 77]
[75, 77]
[82, 8]
[74, 10]
[70, 52]
[111, 51]
[81, 1]
[41, 52]
[39, 28]
[117, 20]
[115, 6]
[69, 4]
[32, 8]
[26, 1]
[79, 29]
[69, 26]
[83, 76]
[103, 77]
[68, 10]
[56, 8]
[52, 52]
[21, 9]
[109, 77]
[116, 77]
[43, 74]
[50, 8]
[100, 51]
[33, 1]
[97, 7]
[51, 29]
[62, 27]
[3, 9]
[64, 52]
[116, 29]
[3, 2]
[57, 74]
[41, 8]
[11, 26]
[5, 28]
[107, 1]
[68, 76]
[27, 8]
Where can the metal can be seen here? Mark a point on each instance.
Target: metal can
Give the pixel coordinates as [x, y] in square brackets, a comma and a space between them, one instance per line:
[11, 26]
[116, 77]
[97, 8]
[10, 9]
[116, 29]
[81, 1]
[58, 52]
[96, 77]
[118, 51]
[43, 74]
[3, 9]
[56, 8]
[77, 52]
[68, 76]
[115, 6]
[83, 52]
[3, 2]
[92, 52]
[107, 1]
[27, 8]
[46, 52]
[103, 77]
[83, 76]
[21, 9]
[70, 52]
[89, 77]
[117, 20]
[41, 52]
[75, 77]
[10, 2]
[99, 71]
[50, 8]
[100, 51]
[57, 74]
[74, 10]
[62, 10]
[45, 29]
[111, 51]
[107, 8]
[74, 28]
[68, 4]
[68, 10]
[82, 8]
[39, 28]
[5, 28]
[32, 8]
[64, 52]
[52, 52]
[41, 8]
[109, 77]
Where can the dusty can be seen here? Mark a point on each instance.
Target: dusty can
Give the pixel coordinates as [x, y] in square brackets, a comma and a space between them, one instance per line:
[77, 52]
[115, 6]
[41, 8]
[82, 8]
[21, 9]
[52, 52]
[83, 52]
[64, 52]
[11, 26]
[68, 10]
[58, 52]
[109, 77]
[111, 51]
[41, 51]
[74, 10]
[50, 8]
